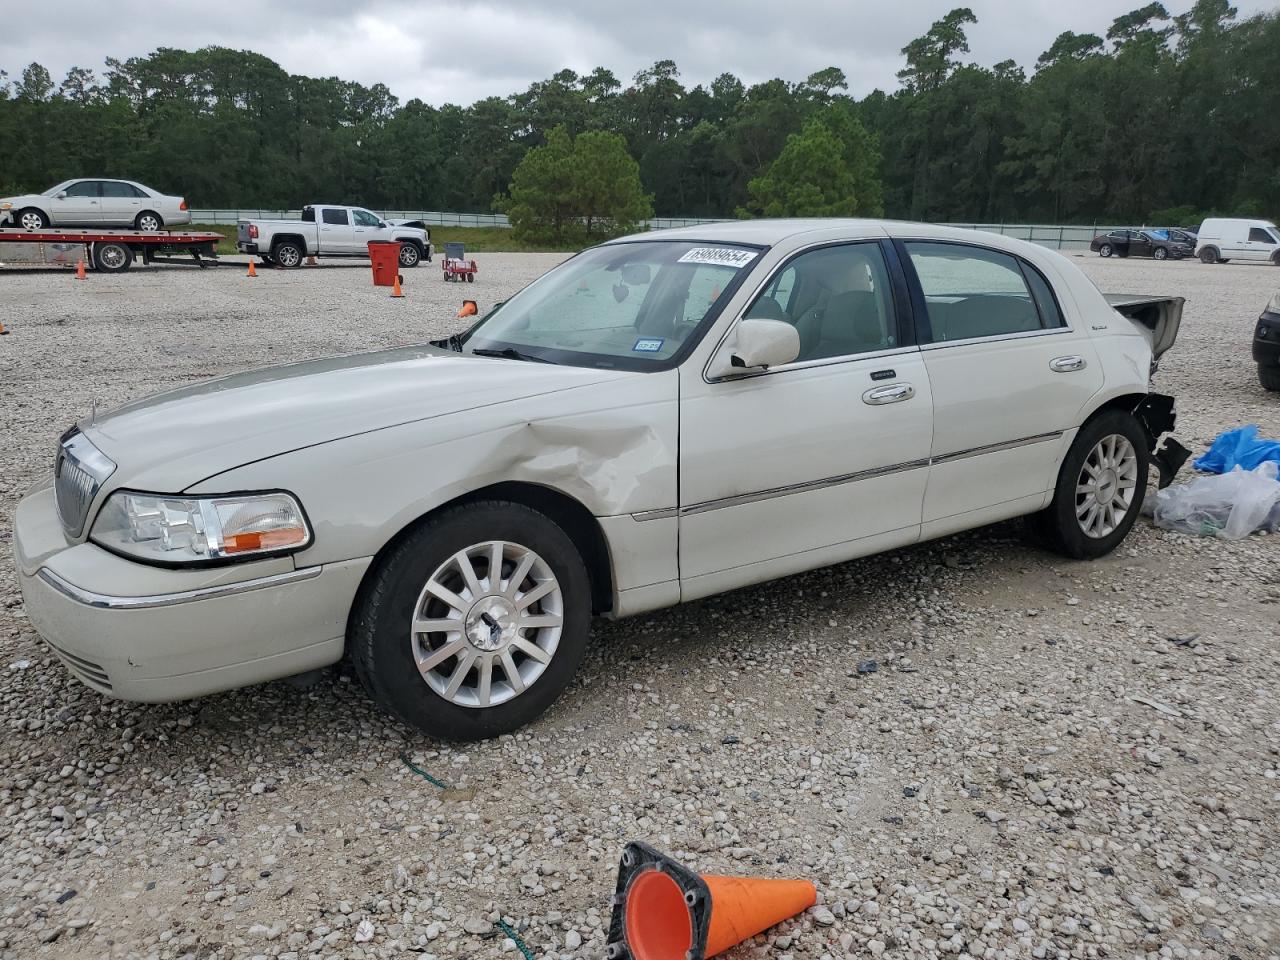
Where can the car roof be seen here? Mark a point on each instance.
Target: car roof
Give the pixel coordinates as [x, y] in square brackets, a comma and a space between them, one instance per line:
[767, 232]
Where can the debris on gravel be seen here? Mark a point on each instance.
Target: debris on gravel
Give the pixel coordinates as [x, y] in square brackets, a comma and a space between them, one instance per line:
[1053, 759]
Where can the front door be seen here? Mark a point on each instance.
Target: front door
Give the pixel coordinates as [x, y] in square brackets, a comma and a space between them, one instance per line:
[1260, 245]
[81, 205]
[1009, 380]
[818, 460]
[367, 227]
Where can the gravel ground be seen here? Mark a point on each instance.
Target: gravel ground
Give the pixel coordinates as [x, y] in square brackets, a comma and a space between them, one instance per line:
[1052, 759]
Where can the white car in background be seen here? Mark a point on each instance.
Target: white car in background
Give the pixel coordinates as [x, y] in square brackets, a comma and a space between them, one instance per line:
[95, 203]
[660, 418]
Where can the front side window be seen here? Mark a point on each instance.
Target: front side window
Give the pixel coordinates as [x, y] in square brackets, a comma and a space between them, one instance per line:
[975, 292]
[85, 188]
[337, 218]
[1258, 235]
[623, 305]
[364, 218]
[838, 299]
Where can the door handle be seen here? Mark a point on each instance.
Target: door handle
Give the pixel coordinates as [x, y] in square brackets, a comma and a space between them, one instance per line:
[894, 393]
[1067, 364]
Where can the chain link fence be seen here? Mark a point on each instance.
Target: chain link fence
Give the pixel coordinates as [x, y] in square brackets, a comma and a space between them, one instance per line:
[1054, 236]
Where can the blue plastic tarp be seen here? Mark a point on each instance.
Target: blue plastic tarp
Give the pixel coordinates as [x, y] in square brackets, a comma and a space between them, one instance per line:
[1241, 447]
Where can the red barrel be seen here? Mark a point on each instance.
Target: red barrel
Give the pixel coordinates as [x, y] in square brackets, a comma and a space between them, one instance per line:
[385, 256]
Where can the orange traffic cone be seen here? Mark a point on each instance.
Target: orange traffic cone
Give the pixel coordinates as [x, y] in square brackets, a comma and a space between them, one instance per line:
[80, 269]
[3, 331]
[395, 287]
[469, 309]
[664, 911]
[311, 260]
[252, 270]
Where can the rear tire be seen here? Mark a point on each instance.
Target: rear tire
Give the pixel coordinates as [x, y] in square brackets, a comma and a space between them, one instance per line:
[288, 254]
[1089, 516]
[1269, 377]
[148, 221]
[112, 257]
[413, 672]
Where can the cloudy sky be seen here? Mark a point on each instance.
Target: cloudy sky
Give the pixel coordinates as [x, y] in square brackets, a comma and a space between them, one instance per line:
[460, 51]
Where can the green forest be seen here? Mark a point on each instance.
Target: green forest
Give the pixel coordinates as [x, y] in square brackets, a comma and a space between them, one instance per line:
[1155, 118]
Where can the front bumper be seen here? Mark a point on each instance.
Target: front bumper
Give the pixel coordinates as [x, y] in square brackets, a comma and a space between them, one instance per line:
[1266, 340]
[178, 633]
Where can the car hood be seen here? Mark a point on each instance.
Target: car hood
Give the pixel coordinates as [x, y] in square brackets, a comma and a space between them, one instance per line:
[171, 441]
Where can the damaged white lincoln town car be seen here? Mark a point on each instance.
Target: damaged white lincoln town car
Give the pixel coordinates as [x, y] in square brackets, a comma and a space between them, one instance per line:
[661, 417]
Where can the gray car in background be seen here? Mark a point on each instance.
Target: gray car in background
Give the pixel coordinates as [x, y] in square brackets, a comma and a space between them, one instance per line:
[95, 203]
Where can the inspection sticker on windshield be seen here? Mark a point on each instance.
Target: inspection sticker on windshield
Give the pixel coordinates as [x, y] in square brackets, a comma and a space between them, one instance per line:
[724, 256]
[648, 345]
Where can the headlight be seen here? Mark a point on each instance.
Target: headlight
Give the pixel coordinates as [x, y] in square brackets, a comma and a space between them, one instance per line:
[1274, 305]
[5, 205]
[174, 530]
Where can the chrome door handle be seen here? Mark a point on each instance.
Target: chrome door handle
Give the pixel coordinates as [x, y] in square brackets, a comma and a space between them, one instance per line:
[894, 393]
[1067, 364]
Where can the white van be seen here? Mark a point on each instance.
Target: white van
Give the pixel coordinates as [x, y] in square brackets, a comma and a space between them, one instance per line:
[1222, 239]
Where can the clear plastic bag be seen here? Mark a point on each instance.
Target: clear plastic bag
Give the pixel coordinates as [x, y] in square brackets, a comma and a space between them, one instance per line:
[1229, 505]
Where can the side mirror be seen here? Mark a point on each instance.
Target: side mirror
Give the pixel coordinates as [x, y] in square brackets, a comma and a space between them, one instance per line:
[756, 345]
[62, 195]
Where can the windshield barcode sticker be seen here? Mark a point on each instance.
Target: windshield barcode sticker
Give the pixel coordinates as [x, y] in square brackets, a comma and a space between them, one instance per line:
[722, 256]
[648, 345]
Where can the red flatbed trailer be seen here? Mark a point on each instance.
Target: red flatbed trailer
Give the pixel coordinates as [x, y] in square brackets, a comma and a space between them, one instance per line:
[111, 251]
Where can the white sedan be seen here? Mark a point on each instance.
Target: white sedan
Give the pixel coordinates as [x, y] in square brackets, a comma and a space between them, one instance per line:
[95, 203]
[662, 417]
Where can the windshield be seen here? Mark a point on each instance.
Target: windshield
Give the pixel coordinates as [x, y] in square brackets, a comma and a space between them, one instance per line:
[53, 191]
[626, 305]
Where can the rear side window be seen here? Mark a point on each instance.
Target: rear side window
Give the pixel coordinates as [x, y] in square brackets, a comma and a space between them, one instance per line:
[118, 190]
[335, 217]
[973, 292]
[1258, 235]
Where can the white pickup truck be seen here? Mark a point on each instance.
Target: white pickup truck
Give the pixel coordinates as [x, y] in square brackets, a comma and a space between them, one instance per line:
[328, 231]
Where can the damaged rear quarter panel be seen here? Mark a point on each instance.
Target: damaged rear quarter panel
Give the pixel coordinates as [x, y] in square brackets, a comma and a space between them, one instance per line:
[612, 446]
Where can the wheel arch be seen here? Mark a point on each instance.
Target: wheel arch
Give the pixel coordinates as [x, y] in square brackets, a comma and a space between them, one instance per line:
[565, 511]
[297, 238]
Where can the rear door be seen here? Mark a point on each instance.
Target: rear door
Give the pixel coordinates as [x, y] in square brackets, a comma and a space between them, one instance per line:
[121, 203]
[334, 227]
[1009, 377]
[81, 205]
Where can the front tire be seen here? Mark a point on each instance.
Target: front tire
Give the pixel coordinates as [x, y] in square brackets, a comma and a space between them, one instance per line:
[1100, 488]
[148, 221]
[31, 219]
[1269, 377]
[475, 622]
[1160, 253]
[1105, 250]
[1209, 255]
[410, 255]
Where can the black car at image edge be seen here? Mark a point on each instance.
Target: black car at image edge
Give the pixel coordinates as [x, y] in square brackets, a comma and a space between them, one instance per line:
[1266, 345]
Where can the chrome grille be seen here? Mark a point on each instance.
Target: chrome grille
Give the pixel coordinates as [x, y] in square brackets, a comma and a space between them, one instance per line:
[80, 471]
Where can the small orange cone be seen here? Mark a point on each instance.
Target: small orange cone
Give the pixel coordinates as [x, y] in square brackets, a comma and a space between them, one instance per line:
[469, 309]
[664, 911]
[3, 332]
[253, 272]
[80, 269]
[311, 260]
[395, 287]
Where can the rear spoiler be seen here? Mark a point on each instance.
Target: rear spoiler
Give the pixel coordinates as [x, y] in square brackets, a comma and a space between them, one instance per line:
[1161, 315]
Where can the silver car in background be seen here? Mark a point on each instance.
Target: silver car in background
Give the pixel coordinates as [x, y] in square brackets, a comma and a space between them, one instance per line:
[95, 203]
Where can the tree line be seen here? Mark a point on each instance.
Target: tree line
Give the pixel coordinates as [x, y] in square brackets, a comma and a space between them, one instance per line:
[1160, 118]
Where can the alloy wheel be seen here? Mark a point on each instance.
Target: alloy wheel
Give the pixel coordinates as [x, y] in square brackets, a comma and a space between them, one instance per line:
[487, 624]
[1106, 486]
[32, 221]
[148, 223]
